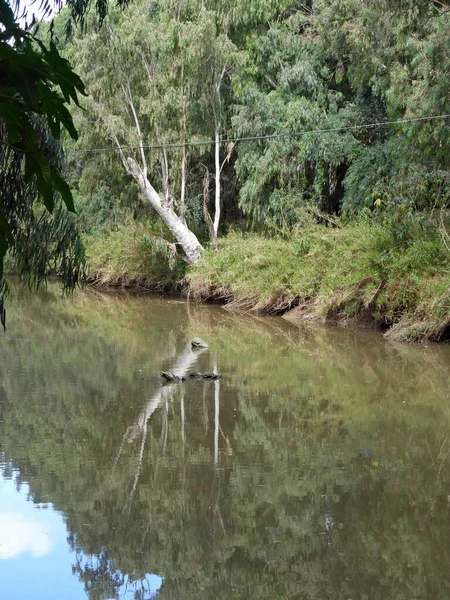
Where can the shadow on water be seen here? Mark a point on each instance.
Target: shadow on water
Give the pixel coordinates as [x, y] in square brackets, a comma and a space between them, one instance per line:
[318, 467]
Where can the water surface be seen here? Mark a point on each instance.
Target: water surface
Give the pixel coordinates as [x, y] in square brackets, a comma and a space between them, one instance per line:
[317, 468]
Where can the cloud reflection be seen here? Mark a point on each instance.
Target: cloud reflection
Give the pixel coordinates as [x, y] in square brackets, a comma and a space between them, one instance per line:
[19, 534]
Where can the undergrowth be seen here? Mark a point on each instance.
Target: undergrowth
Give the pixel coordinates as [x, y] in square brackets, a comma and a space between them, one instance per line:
[353, 273]
[357, 272]
[131, 254]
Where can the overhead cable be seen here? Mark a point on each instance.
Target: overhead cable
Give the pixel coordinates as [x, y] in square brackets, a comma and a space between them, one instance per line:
[256, 138]
[252, 138]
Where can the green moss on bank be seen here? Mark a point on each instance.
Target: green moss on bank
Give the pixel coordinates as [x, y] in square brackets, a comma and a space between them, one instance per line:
[355, 273]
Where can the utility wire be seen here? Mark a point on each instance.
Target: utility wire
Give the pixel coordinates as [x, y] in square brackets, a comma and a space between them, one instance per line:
[255, 138]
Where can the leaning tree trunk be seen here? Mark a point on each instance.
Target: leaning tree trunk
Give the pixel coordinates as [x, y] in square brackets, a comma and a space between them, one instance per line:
[183, 235]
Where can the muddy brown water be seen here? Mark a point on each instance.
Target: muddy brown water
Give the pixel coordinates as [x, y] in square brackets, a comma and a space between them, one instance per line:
[317, 468]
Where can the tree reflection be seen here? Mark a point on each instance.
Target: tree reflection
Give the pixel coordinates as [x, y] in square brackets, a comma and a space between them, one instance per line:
[183, 362]
[316, 468]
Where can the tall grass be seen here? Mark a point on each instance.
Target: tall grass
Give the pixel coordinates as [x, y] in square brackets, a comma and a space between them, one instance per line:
[132, 254]
[355, 272]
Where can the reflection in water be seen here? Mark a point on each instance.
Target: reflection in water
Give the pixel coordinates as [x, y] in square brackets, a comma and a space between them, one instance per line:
[38, 532]
[20, 534]
[318, 467]
[182, 363]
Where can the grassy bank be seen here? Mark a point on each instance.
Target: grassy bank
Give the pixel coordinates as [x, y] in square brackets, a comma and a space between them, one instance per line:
[355, 274]
[133, 257]
[350, 275]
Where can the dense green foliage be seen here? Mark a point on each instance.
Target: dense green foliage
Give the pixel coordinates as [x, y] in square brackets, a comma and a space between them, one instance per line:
[160, 76]
[288, 67]
[171, 73]
[36, 84]
[166, 74]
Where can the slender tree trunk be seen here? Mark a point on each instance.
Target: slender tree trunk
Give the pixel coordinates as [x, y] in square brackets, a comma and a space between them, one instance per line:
[216, 109]
[138, 129]
[183, 184]
[218, 169]
[182, 209]
[206, 215]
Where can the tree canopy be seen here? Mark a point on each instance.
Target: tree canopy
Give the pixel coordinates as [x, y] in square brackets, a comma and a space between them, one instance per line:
[344, 103]
[37, 86]
[190, 71]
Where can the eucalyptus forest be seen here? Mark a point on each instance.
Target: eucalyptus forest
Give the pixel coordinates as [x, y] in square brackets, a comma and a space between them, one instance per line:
[270, 175]
[308, 142]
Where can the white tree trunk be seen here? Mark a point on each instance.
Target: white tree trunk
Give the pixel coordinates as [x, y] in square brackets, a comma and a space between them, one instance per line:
[218, 169]
[183, 184]
[177, 225]
[182, 208]
[184, 236]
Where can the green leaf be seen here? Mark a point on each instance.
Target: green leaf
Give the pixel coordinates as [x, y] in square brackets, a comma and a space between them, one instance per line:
[5, 226]
[63, 189]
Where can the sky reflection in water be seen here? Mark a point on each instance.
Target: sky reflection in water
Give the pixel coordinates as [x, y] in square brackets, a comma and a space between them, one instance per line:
[35, 559]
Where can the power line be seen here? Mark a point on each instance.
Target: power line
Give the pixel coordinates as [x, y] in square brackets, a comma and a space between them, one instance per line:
[255, 138]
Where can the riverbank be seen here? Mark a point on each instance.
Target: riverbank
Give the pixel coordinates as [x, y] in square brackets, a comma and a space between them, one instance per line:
[352, 275]
[133, 258]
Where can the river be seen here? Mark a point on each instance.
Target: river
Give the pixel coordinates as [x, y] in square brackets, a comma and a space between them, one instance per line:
[317, 468]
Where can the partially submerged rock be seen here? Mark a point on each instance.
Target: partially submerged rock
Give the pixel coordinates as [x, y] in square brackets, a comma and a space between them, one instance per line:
[198, 343]
[210, 376]
[171, 378]
[167, 377]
